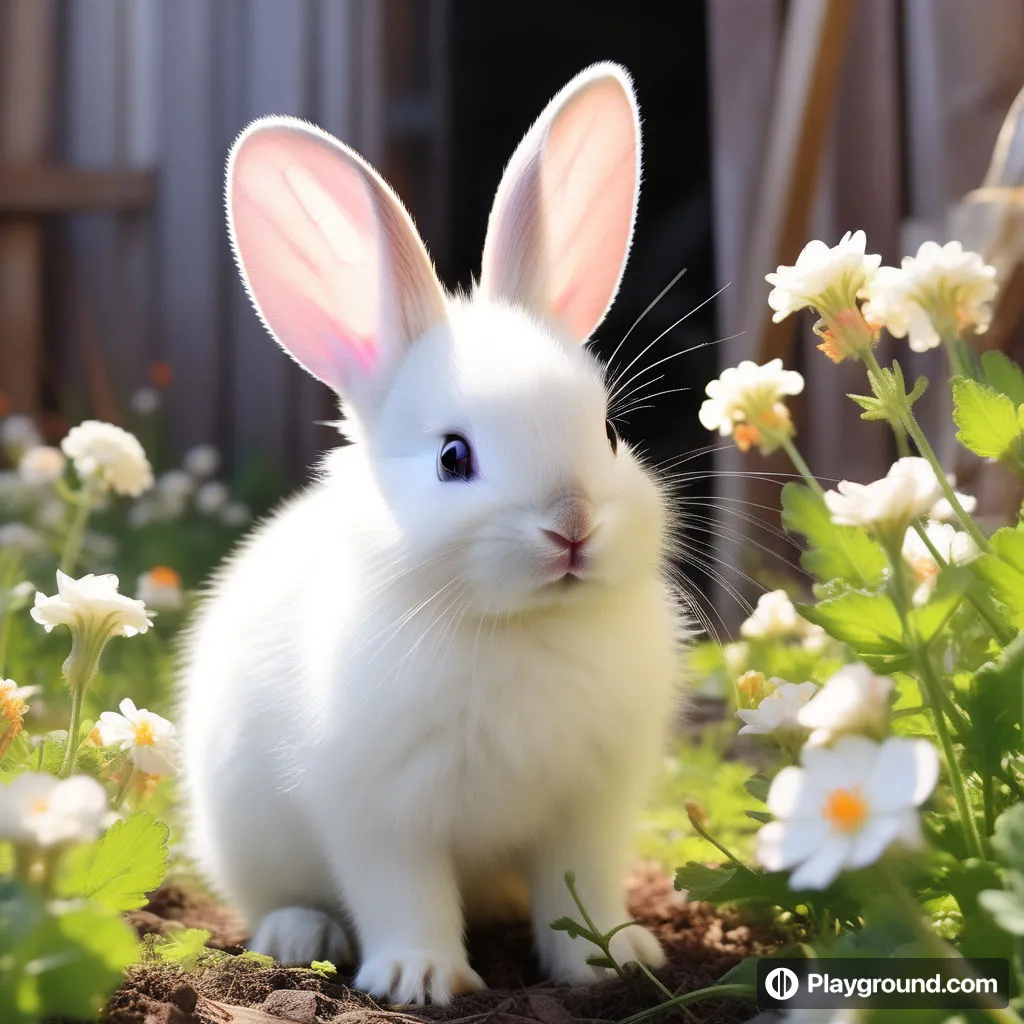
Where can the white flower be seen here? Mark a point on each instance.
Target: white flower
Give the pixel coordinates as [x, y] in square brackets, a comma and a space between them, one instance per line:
[235, 513]
[888, 505]
[202, 461]
[942, 510]
[42, 809]
[148, 738]
[852, 700]
[954, 546]
[105, 452]
[143, 512]
[845, 806]
[736, 655]
[19, 595]
[91, 603]
[211, 497]
[941, 292]
[21, 537]
[774, 616]
[41, 465]
[830, 280]
[145, 401]
[160, 589]
[173, 491]
[778, 711]
[19, 432]
[747, 401]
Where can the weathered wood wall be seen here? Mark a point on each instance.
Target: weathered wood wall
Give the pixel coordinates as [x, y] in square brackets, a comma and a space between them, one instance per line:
[168, 85]
[922, 90]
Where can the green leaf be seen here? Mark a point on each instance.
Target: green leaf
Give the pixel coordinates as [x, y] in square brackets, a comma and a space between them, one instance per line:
[1006, 907]
[566, 924]
[1004, 375]
[119, 870]
[868, 622]
[995, 707]
[1003, 570]
[185, 947]
[66, 966]
[757, 786]
[761, 816]
[836, 552]
[987, 420]
[1008, 838]
[324, 967]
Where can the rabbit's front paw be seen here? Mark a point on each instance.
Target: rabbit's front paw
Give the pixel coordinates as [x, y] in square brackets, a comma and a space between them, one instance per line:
[637, 944]
[417, 976]
[297, 936]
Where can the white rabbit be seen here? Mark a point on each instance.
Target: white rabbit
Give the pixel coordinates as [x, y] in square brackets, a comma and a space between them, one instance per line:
[449, 666]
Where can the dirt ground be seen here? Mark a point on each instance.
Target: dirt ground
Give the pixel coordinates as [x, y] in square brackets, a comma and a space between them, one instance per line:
[701, 945]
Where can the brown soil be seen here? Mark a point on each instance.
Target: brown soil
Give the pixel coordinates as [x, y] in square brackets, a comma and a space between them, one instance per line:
[701, 946]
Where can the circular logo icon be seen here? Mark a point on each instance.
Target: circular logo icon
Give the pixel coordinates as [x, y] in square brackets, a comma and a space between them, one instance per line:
[782, 983]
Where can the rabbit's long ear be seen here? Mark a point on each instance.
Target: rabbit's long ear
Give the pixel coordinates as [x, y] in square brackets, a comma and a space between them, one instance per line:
[562, 221]
[329, 256]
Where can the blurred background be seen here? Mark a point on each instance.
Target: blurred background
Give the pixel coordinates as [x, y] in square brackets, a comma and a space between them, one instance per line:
[766, 123]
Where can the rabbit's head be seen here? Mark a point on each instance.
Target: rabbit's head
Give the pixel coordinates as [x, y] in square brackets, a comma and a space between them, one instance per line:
[483, 418]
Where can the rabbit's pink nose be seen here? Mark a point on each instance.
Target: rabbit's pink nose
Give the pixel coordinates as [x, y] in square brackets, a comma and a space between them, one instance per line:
[573, 546]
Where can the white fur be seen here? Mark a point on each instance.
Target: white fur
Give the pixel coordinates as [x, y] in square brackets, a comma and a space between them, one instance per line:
[388, 709]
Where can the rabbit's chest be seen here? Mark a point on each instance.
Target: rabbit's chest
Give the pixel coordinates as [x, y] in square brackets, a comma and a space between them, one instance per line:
[508, 732]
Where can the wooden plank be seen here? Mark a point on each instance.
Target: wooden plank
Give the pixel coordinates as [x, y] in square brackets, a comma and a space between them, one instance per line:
[190, 219]
[809, 64]
[332, 89]
[27, 58]
[855, 193]
[743, 49]
[47, 189]
[273, 83]
[135, 230]
[93, 344]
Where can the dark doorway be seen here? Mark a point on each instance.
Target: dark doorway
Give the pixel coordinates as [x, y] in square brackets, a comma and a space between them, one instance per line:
[508, 60]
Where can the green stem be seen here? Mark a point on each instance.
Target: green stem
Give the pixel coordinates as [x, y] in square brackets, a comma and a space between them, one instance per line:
[932, 692]
[737, 991]
[926, 451]
[725, 851]
[801, 466]
[73, 541]
[71, 753]
[902, 445]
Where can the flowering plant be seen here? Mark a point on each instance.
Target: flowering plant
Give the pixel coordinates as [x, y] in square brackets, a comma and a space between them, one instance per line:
[891, 810]
[85, 791]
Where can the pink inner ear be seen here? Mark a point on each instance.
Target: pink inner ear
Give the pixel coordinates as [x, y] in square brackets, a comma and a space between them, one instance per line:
[307, 237]
[588, 185]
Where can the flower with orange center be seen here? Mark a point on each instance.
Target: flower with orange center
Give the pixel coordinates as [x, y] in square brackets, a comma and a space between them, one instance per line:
[160, 589]
[747, 402]
[938, 295]
[845, 805]
[13, 708]
[40, 809]
[752, 688]
[148, 738]
[830, 281]
[955, 547]
[845, 809]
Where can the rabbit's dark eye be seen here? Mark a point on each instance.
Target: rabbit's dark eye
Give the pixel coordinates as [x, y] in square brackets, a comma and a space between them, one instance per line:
[613, 437]
[454, 459]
